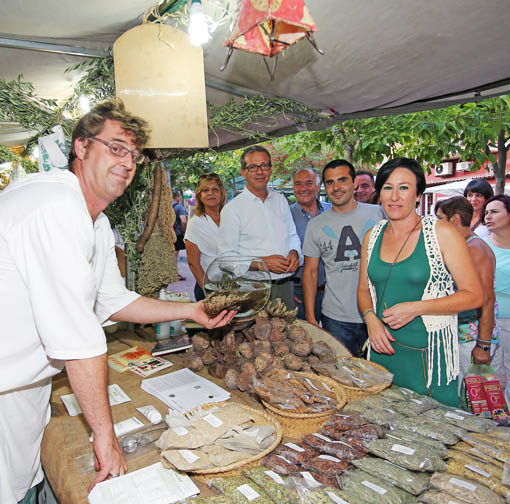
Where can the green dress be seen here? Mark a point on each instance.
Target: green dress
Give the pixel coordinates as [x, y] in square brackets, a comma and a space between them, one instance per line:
[407, 282]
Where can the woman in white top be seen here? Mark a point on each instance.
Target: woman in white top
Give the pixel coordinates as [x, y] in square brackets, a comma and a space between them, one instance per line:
[477, 192]
[202, 231]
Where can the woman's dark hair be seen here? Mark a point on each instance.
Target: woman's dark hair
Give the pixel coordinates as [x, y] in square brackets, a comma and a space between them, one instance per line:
[479, 186]
[499, 197]
[456, 205]
[401, 162]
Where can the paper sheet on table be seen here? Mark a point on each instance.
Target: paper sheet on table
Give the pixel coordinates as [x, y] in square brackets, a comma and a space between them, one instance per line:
[115, 395]
[184, 390]
[151, 485]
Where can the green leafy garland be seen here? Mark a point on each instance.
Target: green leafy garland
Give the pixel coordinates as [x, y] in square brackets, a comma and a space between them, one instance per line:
[7, 156]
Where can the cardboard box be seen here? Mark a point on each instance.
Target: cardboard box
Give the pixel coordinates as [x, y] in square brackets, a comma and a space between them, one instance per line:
[476, 396]
[495, 399]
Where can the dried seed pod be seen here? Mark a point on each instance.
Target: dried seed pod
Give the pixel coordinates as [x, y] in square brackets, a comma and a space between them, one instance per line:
[293, 362]
[261, 347]
[278, 324]
[208, 357]
[246, 350]
[280, 349]
[302, 349]
[232, 379]
[296, 333]
[263, 361]
[262, 330]
[193, 361]
[200, 342]
[277, 308]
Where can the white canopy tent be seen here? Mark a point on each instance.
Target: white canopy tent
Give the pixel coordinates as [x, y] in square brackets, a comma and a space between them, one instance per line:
[455, 188]
[381, 57]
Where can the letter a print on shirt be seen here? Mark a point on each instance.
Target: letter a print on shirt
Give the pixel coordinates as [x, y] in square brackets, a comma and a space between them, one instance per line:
[347, 244]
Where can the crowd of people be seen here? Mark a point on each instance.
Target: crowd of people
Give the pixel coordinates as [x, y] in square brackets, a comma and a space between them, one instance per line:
[390, 285]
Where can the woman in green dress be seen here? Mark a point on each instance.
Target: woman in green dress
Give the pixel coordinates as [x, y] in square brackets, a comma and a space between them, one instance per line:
[406, 294]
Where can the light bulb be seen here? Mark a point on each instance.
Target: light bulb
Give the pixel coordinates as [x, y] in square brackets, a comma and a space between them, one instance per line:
[198, 29]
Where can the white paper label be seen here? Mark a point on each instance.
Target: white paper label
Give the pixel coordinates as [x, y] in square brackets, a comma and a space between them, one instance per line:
[321, 436]
[453, 502]
[336, 499]
[402, 449]
[189, 456]
[325, 385]
[284, 459]
[311, 481]
[212, 420]
[375, 488]
[462, 412]
[307, 380]
[463, 484]
[454, 416]
[295, 447]
[275, 477]
[348, 370]
[329, 457]
[389, 410]
[417, 401]
[477, 470]
[180, 431]
[248, 492]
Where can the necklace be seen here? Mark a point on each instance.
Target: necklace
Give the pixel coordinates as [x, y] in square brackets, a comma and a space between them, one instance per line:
[394, 261]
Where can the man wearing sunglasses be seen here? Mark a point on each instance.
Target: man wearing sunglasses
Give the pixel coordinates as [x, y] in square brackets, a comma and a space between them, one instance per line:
[258, 222]
[59, 281]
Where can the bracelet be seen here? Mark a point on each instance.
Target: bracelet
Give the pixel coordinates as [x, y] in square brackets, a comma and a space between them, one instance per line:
[485, 348]
[366, 312]
[484, 341]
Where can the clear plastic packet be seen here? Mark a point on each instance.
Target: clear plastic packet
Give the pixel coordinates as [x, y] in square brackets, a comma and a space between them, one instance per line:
[240, 490]
[304, 481]
[295, 452]
[409, 455]
[415, 406]
[367, 431]
[343, 450]
[426, 428]
[460, 419]
[412, 482]
[381, 416]
[475, 452]
[405, 436]
[438, 497]
[280, 465]
[327, 495]
[489, 445]
[326, 464]
[343, 422]
[466, 490]
[272, 484]
[369, 489]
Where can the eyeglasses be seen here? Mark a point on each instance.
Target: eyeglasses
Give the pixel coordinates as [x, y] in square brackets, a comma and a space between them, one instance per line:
[254, 167]
[209, 176]
[120, 151]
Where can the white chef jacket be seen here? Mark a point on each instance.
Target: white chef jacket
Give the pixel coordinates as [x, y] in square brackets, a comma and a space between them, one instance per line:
[203, 232]
[252, 227]
[59, 280]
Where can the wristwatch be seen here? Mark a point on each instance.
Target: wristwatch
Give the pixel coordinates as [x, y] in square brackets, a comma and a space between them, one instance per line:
[485, 348]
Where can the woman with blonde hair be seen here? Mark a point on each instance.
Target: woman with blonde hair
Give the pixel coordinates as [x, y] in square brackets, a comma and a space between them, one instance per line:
[202, 231]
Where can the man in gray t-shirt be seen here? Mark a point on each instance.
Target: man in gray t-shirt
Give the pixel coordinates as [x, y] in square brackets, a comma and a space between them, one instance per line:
[335, 237]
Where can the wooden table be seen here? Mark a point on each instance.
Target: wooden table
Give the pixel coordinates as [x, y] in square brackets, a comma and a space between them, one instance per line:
[66, 437]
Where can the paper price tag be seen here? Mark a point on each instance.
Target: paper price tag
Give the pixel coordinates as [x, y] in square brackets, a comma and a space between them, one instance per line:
[284, 459]
[310, 480]
[321, 436]
[336, 499]
[463, 484]
[390, 411]
[248, 492]
[180, 431]
[375, 488]
[462, 412]
[402, 449]
[453, 502]
[328, 457]
[294, 447]
[477, 470]
[453, 415]
[307, 380]
[417, 401]
[189, 456]
[325, 385]
[275, 477]
[212, 420]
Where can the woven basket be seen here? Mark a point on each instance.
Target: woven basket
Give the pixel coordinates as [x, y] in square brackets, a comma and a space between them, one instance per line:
[261, 418]
[355, 393]
[294, 424]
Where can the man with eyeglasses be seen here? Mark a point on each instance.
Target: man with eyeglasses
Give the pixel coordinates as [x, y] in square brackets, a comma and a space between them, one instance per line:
[258, 223]
[59, 281]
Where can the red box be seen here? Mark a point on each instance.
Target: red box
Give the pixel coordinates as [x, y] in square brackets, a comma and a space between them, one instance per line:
[476, 395]
[495, 399]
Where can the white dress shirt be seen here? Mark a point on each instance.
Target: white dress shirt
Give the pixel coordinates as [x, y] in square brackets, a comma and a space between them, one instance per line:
[252, 227]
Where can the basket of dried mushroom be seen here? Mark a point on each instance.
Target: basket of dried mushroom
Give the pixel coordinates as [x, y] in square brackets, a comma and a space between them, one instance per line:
[302, 402]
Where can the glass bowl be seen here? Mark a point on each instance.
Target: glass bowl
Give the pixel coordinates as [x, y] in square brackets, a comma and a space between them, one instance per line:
[243, 281]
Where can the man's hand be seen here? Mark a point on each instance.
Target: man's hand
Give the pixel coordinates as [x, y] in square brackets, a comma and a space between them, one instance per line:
[276, 263]
[108, 459]
[481, 356]
[199, 316]
[293, 260]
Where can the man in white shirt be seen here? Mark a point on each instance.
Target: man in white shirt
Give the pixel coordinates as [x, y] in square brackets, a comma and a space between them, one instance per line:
[258, 222]
[59, 281]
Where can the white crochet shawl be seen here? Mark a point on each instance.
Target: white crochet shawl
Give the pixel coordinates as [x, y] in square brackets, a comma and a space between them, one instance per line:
[440, 328]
